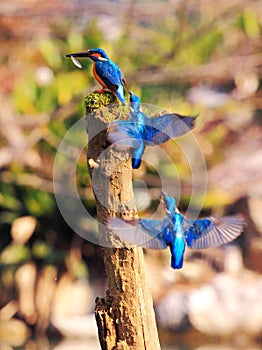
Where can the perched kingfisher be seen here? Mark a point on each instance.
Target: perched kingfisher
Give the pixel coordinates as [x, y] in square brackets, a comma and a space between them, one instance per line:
[176, 231]
[106, 72]
[140, 130]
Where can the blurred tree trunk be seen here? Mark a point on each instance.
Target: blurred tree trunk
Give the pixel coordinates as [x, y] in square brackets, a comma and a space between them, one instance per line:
[125, 317]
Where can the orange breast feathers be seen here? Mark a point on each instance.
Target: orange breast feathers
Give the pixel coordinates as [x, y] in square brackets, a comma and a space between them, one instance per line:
[97, 76]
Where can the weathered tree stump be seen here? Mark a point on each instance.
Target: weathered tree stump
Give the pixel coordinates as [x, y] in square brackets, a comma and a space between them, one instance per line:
[125, 317]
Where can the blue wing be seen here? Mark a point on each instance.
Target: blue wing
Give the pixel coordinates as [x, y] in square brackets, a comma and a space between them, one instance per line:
[213, 232]
[111, 75]
[124, 135]
[160, 129]
[145, 233]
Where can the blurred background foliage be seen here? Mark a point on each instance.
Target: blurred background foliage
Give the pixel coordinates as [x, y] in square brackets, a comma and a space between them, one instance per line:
[190, 57]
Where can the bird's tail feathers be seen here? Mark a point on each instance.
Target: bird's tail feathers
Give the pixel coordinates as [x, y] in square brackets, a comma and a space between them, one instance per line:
[120, 93]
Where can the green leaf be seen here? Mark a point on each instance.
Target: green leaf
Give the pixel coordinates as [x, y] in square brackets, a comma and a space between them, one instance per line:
[70, 84]
[39, 203]
[251, 23]
[50, 51]
[75, 41]
[15, 254]
[41, 250]
[8, 200]
[25, 93]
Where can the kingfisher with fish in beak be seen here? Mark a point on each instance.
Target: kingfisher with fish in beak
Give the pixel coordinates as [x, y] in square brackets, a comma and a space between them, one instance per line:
[106, 72]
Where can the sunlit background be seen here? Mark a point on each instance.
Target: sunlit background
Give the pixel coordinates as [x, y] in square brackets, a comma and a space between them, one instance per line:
[191, 57]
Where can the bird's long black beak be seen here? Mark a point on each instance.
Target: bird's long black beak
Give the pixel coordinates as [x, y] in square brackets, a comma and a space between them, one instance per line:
[78, 54]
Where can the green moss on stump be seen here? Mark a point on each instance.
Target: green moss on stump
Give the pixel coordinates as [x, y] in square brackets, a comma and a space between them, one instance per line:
[97, 100]
[95, 103]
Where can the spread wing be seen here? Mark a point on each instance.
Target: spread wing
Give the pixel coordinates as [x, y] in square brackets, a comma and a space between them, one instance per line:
[155, 130]
[110, 73]
[213, 232]
[124, 135]
[161, 129]
[145, 233]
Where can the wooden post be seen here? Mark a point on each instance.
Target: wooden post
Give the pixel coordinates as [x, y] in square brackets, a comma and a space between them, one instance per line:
[125, 317]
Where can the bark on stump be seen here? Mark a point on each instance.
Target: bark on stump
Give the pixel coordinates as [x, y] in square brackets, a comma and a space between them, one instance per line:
[125, 317]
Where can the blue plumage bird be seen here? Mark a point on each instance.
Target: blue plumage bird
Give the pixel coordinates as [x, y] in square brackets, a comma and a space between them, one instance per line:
[176, 231]
[140, 131]
[106, 72]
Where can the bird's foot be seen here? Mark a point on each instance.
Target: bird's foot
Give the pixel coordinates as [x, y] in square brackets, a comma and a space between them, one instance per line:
[101, 91]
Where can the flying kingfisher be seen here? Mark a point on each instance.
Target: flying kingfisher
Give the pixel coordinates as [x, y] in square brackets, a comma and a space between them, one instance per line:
[106, 72]
[176, 231]
[140, 130]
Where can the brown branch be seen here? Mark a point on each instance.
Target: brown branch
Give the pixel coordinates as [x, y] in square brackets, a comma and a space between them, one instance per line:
[219, 70]
[125, 317]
